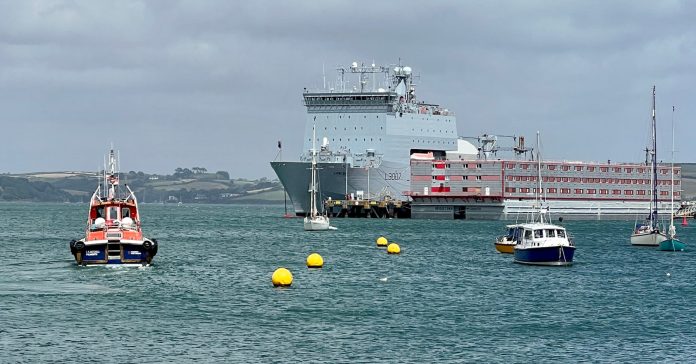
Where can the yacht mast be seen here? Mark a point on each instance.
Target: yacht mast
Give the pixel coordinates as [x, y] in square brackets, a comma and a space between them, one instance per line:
[313, 188]
[653, 177]
[671, 205]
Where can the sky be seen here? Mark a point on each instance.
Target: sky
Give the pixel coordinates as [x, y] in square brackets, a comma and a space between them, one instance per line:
[215, 84]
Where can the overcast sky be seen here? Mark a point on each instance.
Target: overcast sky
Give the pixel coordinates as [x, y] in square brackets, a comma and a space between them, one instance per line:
[216, 83]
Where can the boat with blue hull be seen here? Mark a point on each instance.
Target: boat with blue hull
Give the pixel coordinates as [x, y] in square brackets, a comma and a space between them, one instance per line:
[551, 247]
[113, 235]
[539, 242]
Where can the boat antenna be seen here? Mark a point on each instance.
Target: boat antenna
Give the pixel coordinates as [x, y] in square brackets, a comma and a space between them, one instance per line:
[538, 195]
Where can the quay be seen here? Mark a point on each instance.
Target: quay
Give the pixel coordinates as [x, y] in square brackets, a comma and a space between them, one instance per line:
[368, 208]
[686, 210]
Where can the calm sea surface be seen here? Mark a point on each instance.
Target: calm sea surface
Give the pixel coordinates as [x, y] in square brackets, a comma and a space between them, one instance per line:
[449, 297]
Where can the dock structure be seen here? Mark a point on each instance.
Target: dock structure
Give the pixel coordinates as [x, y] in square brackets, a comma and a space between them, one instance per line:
[687, 209]
[368, 208]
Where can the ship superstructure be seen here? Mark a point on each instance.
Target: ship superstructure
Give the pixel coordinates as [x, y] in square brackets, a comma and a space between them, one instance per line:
[481, 186]
[367, 129]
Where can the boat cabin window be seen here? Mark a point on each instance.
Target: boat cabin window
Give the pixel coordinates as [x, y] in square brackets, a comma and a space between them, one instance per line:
[528, 234]
[113, 213]
[511, 232]
[560, 233]
[538, 233]
[550, 233]
[100, 212]
[125, 212]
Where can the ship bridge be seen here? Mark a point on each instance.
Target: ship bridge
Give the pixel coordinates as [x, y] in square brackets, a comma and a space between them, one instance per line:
[324, 102]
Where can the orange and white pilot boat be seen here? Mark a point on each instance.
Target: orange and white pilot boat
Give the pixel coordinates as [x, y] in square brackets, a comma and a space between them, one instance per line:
[113, 235]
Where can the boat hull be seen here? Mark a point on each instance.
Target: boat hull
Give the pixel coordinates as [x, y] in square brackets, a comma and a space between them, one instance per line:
[318, 223]
[672, 245]
[104, 252]
[548, 255]
[505, 248]
[653, 238]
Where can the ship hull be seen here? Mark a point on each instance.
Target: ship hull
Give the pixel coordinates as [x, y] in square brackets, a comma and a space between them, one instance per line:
[390, 179]
[478, 208]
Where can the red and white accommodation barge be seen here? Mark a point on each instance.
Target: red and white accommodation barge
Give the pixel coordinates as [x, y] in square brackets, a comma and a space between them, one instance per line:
[113, 235]
[460, 188]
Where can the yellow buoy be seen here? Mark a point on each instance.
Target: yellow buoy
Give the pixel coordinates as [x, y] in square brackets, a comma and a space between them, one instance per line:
[282, 278]
[393, 248]
[315, 260]
[382, 241]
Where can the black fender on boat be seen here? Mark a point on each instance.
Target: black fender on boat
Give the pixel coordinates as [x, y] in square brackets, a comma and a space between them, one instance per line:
[78, 249]
[79, 246]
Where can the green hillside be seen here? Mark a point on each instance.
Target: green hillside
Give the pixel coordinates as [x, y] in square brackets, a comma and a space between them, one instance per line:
[184, 185]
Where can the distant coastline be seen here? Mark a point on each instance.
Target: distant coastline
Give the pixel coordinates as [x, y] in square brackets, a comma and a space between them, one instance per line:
[185, 185]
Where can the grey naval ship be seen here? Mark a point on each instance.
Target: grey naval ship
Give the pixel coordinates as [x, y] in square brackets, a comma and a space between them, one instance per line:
[368, 123]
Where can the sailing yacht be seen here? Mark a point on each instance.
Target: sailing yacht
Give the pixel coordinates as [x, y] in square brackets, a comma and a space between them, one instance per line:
[539, 242]
[315, 221]
[672, 244]
[648, 232]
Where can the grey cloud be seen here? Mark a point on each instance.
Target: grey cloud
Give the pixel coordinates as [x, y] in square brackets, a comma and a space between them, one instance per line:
[216, 83]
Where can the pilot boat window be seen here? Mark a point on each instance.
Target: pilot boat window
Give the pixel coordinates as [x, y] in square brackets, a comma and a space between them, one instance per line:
[113, 213]
[560, 233]
[550, 233]
[539, 233]
[125, 212]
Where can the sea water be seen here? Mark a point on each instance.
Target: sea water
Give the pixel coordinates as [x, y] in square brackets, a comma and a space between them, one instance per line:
[448, 297]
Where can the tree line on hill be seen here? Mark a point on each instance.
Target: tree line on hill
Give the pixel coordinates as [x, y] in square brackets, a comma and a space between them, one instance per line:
[190, 185]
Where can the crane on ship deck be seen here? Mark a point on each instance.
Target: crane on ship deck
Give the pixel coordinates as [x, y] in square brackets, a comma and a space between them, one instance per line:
[488, 145]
